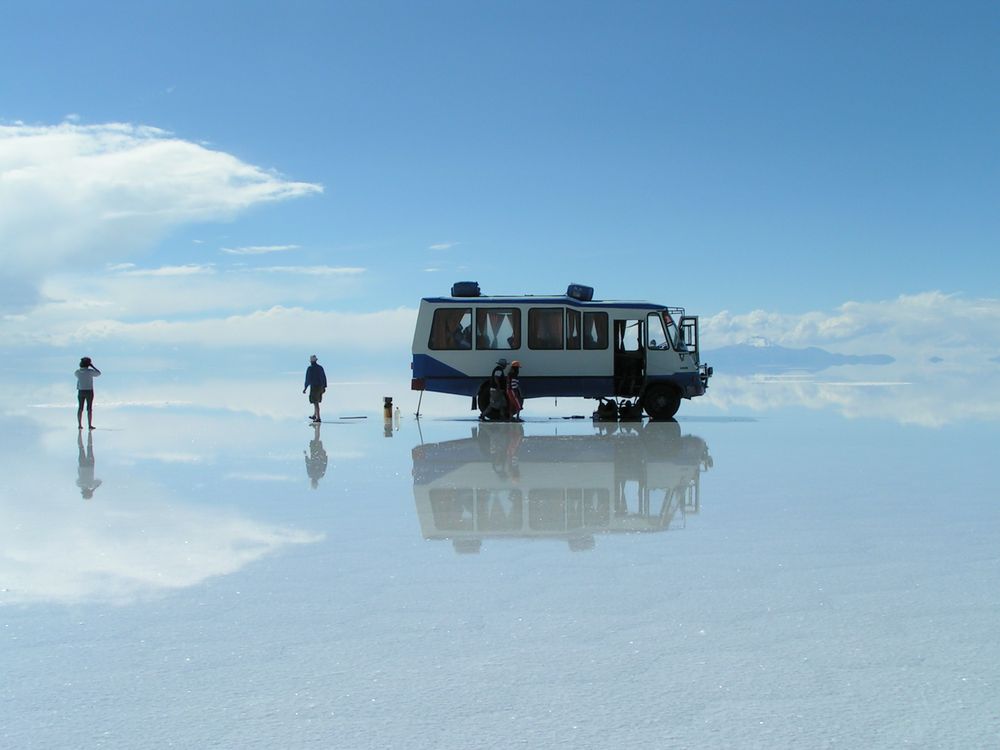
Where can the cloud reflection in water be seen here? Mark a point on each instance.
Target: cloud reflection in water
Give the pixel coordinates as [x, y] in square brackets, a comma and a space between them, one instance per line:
[120, 544]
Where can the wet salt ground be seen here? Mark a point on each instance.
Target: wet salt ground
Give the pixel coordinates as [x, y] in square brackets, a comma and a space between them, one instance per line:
[834, 585]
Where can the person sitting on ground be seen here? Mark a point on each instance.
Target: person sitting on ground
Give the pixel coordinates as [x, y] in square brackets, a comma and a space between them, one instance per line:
[496, 408]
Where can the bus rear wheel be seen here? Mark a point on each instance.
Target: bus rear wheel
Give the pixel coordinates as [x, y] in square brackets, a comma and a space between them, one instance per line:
[661, 401]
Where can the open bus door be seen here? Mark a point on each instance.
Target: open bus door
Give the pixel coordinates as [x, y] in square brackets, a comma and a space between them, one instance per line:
[689, 336]
[630, 357]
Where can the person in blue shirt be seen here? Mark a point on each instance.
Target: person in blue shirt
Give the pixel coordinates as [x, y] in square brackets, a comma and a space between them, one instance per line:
[316, 385]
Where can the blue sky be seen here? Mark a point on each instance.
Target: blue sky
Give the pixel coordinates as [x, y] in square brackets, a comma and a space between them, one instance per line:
[348, 158]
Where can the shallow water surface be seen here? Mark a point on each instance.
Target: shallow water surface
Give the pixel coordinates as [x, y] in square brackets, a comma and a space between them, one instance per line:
[207, 579]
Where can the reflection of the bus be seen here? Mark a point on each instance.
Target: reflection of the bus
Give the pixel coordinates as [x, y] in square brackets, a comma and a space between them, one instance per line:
[499, 483]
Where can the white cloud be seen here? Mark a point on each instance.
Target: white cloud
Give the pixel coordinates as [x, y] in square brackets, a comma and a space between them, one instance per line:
[275, 327]
[928, 402]
[118, 313]
[442, 245]
[76, 298]
[76, 195]
[260, 477]
[169, 457]
[259, 249]
[312, 270]
[189, 269]
[910, 328]
[58, 550]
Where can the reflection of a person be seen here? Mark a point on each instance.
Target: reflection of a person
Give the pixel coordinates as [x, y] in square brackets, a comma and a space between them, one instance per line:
[85, 467]
[315, 458]
[502, 446]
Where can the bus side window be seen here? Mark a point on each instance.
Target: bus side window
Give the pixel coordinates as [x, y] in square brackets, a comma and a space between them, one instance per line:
[498, 328]
[573, 329]
[595, 330]
[545, 328]
[451, 328]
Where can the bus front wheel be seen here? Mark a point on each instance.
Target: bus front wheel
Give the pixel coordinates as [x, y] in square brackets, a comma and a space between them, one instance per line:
[661, 401]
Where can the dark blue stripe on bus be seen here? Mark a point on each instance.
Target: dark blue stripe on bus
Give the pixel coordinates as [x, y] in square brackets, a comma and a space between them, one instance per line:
[549, 387]
[425, 366]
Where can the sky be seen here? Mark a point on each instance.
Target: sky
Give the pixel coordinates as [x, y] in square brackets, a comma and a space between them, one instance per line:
[250, 178]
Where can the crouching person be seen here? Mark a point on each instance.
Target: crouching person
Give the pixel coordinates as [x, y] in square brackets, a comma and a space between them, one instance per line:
[497, 408]
[515, 400]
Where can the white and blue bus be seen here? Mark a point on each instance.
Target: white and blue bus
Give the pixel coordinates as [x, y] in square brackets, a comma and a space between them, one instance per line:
[640, 353]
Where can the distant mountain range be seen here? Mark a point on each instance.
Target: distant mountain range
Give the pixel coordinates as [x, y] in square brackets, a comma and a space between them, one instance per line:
[760, 356]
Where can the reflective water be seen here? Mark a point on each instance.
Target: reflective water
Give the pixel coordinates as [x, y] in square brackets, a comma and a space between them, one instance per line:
[787, 578]
[500, 483]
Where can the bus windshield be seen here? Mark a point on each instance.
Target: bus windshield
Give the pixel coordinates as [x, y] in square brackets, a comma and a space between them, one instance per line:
[661, 330]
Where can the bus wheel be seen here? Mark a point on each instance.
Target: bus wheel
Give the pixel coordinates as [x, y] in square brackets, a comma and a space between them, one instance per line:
[661, 401]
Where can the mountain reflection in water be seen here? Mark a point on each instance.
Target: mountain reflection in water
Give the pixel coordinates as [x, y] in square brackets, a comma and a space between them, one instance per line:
[499, 483]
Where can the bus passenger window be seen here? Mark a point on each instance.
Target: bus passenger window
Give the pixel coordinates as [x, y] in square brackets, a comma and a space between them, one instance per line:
[573, 329]
[595, 330]
[498, 328]
[545, 328]
[451, 328]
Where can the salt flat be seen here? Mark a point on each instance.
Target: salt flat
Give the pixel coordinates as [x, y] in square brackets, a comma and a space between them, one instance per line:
[779, 578]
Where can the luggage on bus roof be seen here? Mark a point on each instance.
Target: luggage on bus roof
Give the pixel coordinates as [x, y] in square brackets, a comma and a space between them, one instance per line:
[580, 292]
[465, 289]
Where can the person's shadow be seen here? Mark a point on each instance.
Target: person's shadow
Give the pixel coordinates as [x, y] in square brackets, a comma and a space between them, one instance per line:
[85, 467]
[315, 458]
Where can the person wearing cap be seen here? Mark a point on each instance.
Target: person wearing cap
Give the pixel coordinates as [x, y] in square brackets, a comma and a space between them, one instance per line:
[514, 397]
[85, 392]
[316, 385]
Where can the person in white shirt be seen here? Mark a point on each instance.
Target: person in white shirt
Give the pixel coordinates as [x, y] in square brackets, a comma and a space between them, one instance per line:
[85, 392]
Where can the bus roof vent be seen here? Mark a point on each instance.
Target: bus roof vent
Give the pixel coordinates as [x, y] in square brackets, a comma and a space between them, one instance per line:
[465, 289]
[580, 292]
